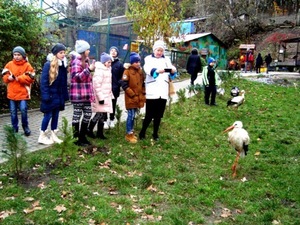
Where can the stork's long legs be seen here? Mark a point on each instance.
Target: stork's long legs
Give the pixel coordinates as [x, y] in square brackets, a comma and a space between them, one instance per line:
[233, 168]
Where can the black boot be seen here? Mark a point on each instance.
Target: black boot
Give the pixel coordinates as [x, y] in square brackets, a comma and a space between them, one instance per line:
[82, 137]
[100, 127]
[146, 123]
[75, 127]
[156, 123]
[90, 130]
[27, 131]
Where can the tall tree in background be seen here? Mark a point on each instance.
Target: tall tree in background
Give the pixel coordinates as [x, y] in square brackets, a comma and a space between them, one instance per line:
[21, 25]
[152, 19]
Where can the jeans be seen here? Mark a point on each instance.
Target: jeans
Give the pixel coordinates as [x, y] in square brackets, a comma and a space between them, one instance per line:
[13, 106]
[130, 120]
[53, 116]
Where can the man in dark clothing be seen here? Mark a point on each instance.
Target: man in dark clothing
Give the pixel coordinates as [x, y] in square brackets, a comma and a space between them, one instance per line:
[193, 65]
[268, 60]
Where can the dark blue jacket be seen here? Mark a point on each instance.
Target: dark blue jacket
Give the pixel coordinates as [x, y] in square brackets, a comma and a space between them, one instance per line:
[193, 65]
[117, 70]
[53, 96]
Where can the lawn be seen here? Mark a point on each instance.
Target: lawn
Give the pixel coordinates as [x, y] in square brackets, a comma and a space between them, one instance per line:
[184, 178]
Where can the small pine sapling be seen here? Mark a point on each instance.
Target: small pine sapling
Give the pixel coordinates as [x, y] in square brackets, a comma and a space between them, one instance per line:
[15, 149]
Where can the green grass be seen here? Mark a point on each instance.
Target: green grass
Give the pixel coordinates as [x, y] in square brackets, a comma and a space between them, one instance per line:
[185, 178]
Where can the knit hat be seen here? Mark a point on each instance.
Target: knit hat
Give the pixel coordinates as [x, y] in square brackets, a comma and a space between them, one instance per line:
[134, 57]
[57, 48]
[81, 46]
[210, 60]
[20, 50]
[114, 47]
[105, 57]
[159, 44]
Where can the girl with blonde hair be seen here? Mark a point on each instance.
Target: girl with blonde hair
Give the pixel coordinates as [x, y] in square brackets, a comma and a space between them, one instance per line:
[54, 92]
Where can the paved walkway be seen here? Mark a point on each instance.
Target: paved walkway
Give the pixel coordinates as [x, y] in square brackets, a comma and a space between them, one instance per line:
[35, 118]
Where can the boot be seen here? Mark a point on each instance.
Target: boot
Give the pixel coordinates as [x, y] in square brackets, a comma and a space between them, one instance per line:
[146, 123]
[156, 123]
[27, 131]
[75, 127]
[100, 127]
[90, 130]
[54, 137]
[131, 138]
[82, 133]
[43, 139]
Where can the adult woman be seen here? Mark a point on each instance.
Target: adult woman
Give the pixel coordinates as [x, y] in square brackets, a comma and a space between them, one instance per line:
[193, 65]
[159, 70]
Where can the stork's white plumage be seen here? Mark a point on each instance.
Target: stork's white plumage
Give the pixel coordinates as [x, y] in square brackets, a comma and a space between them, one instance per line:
[237, 101]
[239, 138]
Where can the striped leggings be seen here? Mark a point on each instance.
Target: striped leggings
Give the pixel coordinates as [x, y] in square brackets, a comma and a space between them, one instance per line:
[79, 109]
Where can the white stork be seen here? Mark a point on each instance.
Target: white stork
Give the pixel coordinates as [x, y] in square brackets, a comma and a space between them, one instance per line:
[239, 139]
[235, 102]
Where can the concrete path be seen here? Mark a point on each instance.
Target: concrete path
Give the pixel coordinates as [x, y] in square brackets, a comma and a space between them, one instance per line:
[35, 118]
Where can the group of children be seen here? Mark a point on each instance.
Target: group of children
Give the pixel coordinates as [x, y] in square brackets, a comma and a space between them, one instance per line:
[94, 89]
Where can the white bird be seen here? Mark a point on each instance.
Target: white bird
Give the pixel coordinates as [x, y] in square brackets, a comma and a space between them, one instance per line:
[239, 139]
[235, 102]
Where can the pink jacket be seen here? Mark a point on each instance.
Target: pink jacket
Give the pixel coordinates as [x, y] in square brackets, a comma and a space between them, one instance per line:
[102, 89]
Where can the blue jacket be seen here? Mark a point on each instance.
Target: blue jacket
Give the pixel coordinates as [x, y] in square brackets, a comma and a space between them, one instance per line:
[53, 96]
[117, 70]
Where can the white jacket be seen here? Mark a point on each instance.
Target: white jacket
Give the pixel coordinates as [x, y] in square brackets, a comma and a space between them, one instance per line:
[157, 87]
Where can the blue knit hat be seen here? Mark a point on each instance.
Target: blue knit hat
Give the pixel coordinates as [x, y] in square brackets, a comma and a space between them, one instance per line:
[134, 57]
[20, 50]
[210, 60]
[114, 47]
[105, 57]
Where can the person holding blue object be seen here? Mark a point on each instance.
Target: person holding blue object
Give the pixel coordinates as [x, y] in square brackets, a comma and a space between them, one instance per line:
[54, 92]
[159, 70]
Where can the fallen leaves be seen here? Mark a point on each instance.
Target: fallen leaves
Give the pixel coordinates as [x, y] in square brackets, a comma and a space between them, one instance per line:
[6, 213]
[34, 206]
[60, 208]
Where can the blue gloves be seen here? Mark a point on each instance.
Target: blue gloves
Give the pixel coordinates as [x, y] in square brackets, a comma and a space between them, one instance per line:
[173, 76]
[155, 75]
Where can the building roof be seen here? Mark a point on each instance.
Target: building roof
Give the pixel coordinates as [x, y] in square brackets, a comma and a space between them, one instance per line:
[292, 40]
[191, 37]
[112, 21]
[247, 46]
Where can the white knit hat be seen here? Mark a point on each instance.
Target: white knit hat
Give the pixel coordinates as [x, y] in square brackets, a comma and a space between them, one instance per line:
[159, 44]
[81, 46]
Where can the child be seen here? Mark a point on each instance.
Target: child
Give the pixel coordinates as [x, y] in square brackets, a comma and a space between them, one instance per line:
[133, 84]
[102, 103]
[54, 92]
[210, 81]
[159, 70]
[18, 74]
[117, 70]
[81, 90]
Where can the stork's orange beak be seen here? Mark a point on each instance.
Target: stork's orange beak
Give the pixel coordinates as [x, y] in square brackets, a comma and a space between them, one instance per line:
[228, 129]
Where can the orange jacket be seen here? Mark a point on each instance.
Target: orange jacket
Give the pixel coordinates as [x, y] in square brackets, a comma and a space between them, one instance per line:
[19, 88]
